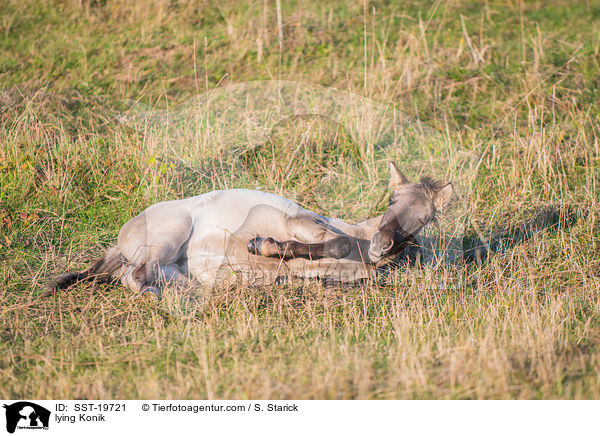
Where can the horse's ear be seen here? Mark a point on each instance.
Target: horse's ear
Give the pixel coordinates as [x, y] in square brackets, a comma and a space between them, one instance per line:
[397, 179]
[442, 196]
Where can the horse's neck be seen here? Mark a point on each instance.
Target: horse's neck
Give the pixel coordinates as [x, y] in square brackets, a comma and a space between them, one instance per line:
[369, 226]
[362, 230]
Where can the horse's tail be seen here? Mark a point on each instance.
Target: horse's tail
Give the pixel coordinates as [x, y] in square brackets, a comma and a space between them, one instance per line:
[102, 271]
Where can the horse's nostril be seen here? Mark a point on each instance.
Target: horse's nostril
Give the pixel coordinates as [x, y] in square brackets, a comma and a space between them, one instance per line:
[389, 246]
[380, 245]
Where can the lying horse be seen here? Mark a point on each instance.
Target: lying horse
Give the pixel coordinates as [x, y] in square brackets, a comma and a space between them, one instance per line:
[261, 238]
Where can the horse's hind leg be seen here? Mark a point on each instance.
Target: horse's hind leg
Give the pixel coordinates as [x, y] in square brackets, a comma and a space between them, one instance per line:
[148, 279]
[152, 243]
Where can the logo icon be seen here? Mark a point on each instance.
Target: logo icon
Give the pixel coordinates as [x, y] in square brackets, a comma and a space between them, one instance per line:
[26, 415]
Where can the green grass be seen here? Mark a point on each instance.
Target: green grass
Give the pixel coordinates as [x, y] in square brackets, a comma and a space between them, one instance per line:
[516, 88]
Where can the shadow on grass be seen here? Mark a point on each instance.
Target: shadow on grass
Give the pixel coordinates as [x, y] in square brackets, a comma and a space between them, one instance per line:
[476, 248]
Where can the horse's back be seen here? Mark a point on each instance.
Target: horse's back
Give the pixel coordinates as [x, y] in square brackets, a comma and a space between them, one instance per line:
[228, 209]
[216, 212]
[223, 208]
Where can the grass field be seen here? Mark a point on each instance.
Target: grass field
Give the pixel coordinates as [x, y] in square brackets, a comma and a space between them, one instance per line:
[514, 84]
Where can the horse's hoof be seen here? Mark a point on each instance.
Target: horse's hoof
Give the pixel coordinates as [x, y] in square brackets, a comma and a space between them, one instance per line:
[151, 294]
[281, 280]
[254, 245]
[338, 248]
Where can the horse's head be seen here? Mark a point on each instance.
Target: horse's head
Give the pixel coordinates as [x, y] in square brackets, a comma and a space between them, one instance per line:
[412, 206]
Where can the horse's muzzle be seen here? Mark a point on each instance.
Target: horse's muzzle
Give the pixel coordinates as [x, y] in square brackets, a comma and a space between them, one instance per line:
[380, 245]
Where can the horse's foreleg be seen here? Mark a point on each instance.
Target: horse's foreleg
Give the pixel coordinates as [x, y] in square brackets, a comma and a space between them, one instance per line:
[310, 228]
[311, 237]
[336, 248]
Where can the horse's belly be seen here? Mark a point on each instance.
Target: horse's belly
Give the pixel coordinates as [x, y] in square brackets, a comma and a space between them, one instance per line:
[214, 257]
[205, 252]
[204, 268]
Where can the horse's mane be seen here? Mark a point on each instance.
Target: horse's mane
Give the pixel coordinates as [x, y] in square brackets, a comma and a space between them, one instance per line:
[430, 184]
